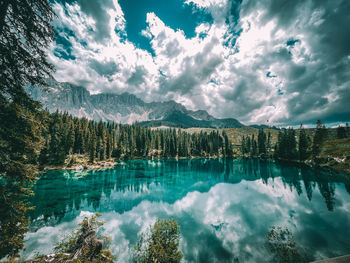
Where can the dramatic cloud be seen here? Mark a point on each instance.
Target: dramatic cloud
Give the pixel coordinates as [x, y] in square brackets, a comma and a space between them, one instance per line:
[283, 61]
[101, 60]
[308, 54]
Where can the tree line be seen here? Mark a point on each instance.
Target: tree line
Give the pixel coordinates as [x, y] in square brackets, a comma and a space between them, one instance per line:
[259, 147]
[301, 146]
[292, 145]
[64, 135]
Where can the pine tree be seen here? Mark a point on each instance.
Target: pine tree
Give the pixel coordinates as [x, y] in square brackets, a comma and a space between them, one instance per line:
[303, 144]
[25, 33]
[243, 146]
[92, 148]
[254, 147]
[286, 145]
[228, 148]
[109, 146]
[57, 154]
[278, 145]
[79, 146]
[248, 145]
[319, 137]
[262, 143]
[291, 145]
[341, 132]
[268, 144]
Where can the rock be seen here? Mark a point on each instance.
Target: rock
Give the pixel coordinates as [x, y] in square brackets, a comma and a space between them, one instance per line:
[79, 168]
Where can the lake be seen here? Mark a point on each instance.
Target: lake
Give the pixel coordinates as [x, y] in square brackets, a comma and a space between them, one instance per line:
[225, 208]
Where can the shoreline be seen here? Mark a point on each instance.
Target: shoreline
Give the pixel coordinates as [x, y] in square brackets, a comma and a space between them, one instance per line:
[326, 166]
[102, 165]
[111, 163]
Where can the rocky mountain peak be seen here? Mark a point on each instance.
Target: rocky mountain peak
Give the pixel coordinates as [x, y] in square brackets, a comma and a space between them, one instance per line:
[122, 108]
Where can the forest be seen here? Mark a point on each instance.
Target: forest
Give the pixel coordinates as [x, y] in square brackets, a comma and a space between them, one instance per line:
[64, 135]
[293, 144]
[30, 136]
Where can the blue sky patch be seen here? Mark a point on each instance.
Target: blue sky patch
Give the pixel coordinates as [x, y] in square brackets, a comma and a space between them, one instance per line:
[64, 48]
[292, 42]
[174, 14]
[269, 75]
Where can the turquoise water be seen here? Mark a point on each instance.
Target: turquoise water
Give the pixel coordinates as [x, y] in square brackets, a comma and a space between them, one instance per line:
[224, 208]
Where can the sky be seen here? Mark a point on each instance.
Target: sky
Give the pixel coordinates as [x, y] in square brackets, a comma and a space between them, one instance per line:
[268, 61]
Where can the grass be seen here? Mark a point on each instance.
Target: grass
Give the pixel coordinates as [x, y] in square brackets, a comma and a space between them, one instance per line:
[337, 152]
[235, 134]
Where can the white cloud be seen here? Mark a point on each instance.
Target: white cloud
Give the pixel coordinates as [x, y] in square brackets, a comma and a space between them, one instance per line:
[217, 8]
[307, 79]
[126, 57]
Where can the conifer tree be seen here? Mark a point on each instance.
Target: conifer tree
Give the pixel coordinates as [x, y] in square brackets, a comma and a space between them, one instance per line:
[341, 132]
[25, 33]
[254, 147]
[319, 137]
[92, 148]
[268, 143]
[303, 144]
[262, 143]
[243, 146]
[286, 145]
[228, 148]
[291, 145]
[57, 152]
[248, 145]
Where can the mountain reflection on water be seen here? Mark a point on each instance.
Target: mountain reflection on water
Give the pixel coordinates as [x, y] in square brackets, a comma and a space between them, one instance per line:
[224, 207]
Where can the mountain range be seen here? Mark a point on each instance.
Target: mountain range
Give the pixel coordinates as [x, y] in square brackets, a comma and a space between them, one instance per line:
[122, 108]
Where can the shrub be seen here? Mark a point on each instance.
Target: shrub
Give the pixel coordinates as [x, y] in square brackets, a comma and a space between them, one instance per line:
[159, 244]
[84, 246]
[282, 245]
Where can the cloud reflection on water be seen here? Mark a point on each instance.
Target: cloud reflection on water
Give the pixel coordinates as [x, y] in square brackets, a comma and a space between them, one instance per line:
[224, 209]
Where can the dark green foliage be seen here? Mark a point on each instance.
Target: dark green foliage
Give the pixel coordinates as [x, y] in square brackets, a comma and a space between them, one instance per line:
[13, 222]
[254, 147]
[327, 190]
[228, 152]
[342, 132]
[243, 146]
[92, 147]
[25, 33]
[66, 135]
[319, 137]
[57, 152]
[248, 147]
[283, 247]
[286, 147]
[262, 143]
[304, 143]
[160, 244]
[268, 143]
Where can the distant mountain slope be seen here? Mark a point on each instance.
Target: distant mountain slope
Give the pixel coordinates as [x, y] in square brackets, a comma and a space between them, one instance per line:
[262, 126]
[179, 119]
[122, 108]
